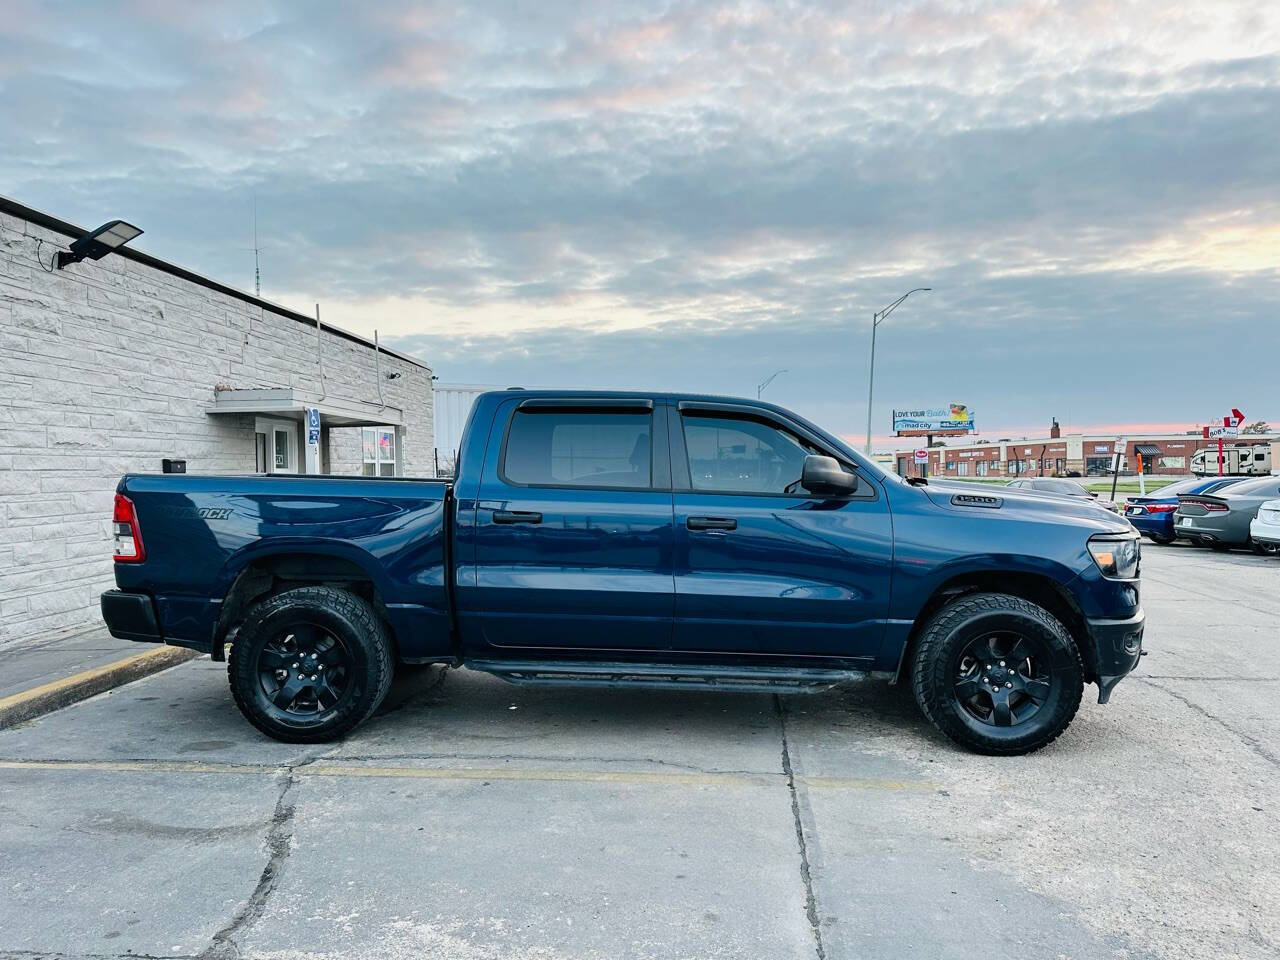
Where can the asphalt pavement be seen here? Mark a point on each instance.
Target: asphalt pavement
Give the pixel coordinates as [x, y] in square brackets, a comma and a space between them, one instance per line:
[472, 819]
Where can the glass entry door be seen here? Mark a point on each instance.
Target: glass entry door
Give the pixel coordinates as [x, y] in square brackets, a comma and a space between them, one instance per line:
[276, 446]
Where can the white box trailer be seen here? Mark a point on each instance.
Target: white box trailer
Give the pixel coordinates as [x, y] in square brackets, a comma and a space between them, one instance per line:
[1238, 460]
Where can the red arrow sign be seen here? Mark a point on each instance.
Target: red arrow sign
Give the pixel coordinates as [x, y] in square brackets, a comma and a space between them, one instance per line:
[1238, 415]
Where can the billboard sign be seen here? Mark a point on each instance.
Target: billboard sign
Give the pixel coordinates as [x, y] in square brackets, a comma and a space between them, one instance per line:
[949, 420]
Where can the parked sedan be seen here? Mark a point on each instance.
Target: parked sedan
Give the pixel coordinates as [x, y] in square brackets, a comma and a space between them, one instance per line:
[1153, 515]
[1222, 520]
[1265, 528]
[1057, 486]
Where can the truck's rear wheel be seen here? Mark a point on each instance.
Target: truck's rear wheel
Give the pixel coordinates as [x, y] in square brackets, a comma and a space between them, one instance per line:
[997, 674]
[309, 664]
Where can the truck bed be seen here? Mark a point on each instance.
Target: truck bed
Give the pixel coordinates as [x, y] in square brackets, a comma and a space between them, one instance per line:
[216, 535]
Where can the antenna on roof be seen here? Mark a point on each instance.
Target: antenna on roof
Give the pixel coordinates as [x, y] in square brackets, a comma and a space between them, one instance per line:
[257, 275]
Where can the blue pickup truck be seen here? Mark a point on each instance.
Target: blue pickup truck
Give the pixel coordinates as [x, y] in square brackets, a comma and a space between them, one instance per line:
[638, 539]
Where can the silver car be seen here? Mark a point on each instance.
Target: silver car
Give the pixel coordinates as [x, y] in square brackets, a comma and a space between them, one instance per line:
[1059, 487]
[1265, 528]
[1221, 520]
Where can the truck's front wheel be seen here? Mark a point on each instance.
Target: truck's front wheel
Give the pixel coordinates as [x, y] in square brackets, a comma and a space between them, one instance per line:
[997, 674]
[309, 664]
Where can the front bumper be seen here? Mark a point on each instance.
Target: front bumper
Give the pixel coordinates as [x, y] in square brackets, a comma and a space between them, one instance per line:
[131, 616]
[1118, 648]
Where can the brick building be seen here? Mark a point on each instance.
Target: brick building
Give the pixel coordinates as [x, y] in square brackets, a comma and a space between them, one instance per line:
[110, 366]
[1163, 454]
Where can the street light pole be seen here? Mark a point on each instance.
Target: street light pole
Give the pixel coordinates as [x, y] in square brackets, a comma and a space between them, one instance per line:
[768, 380]
[878, 318]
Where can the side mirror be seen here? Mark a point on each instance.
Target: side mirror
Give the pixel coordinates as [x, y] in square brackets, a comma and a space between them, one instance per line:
[823, 475]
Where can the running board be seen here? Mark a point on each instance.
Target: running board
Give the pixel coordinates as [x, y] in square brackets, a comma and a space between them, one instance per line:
[666, 676]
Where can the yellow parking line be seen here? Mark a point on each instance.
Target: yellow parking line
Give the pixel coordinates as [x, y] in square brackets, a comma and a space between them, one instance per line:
[466, 773]
[865, 783]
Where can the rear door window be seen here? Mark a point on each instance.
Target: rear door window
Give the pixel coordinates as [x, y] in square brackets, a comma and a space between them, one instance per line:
[562, 448]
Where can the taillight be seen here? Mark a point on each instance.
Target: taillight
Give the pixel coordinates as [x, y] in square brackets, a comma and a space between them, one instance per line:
[127, 533]
[1160, 507]
[1215, 507]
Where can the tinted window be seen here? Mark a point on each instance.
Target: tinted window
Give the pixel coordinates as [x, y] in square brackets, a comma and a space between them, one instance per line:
[1060, 486]
[1182, 486]
[1263, 486]
[742, 456]
[1219, 486]
[567, 448]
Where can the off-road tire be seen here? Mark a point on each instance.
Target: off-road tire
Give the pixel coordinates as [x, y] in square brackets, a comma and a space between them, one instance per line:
[936, 662]
[347, 617]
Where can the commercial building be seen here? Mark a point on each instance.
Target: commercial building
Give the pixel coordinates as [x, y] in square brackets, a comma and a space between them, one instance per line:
[1163, 454]
[116, 365]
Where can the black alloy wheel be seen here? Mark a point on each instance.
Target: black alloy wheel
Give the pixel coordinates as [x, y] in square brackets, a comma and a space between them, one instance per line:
[1002, 678]
[305, 670]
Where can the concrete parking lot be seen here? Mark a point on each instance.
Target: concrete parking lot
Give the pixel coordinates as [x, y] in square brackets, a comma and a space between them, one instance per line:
[473, 819]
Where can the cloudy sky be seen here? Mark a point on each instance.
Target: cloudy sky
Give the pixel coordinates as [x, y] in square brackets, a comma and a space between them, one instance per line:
[694, 195]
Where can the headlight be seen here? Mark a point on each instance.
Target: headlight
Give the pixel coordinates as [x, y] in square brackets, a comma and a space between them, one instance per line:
[1116, 557]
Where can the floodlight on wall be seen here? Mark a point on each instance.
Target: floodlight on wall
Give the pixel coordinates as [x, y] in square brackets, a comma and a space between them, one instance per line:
[94, 246]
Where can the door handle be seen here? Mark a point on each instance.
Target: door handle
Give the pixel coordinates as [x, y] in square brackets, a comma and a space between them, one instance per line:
[711, 523]
[516, 516]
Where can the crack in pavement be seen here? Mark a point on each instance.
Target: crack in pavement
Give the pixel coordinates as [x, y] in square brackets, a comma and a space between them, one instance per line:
[810, 900]
[279, 842]
[1251, 742]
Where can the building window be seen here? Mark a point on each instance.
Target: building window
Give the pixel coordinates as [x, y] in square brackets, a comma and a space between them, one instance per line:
[1097, 466]
[1173, 462]
[963, 469]
[982, 467]
[379, 450]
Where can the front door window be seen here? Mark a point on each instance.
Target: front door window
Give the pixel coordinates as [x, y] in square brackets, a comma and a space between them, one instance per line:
[742, 456]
